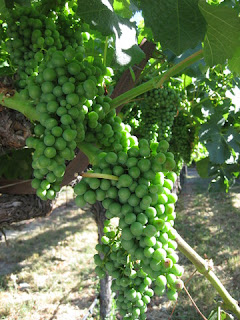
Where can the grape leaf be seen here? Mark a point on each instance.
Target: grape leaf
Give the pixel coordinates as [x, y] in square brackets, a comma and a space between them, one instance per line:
[5, 71]
[9, 4]
[214, 315]
[178, 25]
[218, 185]
[2, 7]
[223, 29]
[202, 167]
[102, 17]
[218, 149]
[23, 2]
[134, 53]
[234, 62]
[211, 129]
[194, 69]
[233, 139]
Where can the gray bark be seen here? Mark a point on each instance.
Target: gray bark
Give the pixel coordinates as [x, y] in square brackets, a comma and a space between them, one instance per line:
[105, 294]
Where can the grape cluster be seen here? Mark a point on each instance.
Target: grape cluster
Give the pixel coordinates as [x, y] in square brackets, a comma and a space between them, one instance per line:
[54, 5]
[111, 133]
[135, 187]
[63, 84]
[61, 92]
[152, 117]
[31, 34]
[183, 130]
[130, 282]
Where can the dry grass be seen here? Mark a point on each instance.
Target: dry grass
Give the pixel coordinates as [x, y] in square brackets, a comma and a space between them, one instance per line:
[47, 271]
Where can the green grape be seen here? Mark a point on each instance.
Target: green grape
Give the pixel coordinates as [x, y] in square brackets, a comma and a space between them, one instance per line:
[136, 228]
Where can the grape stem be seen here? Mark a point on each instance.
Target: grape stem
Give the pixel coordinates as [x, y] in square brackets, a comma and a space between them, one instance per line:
[105, 51]
[90, 150]
[16, 102]
[194, 304]
[99, 175]
[204, 268]
[157, 81]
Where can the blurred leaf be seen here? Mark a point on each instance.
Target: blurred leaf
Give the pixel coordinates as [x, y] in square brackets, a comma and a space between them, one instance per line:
[233, 139]
[122, 8]
[132, 74]
[234, 62]
[218, 150]
[9, 4]
[6, 71]
[197, 112]
[211, 129]
[133, 55]
[208, 131]
[218, 185]
[202, 167]
[186, 80]
[3, 9]
[196, 69]
[23, 2]
[224, 316]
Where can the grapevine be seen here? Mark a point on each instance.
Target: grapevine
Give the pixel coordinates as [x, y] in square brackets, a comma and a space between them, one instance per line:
[67, 92]
[62, 85]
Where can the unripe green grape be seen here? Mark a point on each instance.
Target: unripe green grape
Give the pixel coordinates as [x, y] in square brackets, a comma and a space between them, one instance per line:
[127, 234]
[172, 294]
[159, 291]
[136, 227]
[142, 218]
[150, 241]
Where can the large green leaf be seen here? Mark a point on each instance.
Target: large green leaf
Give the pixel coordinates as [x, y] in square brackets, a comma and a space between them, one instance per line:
[218, 149]
[234, 62]
[223, 28]
[9, 4]
[193, 70]
[178, 25]
[102, 17]
[215, 142]
[211, 129]
[233, 139]
[202, 167]
[2, 7]
[220, 184]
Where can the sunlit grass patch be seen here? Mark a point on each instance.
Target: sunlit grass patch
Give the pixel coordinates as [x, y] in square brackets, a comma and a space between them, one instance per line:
[48, 268]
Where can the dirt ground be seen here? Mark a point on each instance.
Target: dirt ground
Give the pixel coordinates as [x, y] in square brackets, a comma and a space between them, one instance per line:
[47, 269]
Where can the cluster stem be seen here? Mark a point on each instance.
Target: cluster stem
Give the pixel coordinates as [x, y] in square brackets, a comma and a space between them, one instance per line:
[205, 269]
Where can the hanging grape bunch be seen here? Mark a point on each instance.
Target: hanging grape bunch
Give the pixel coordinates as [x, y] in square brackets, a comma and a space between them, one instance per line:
[63, 84]
[183, 130]
[152, 116]
[135, 187]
